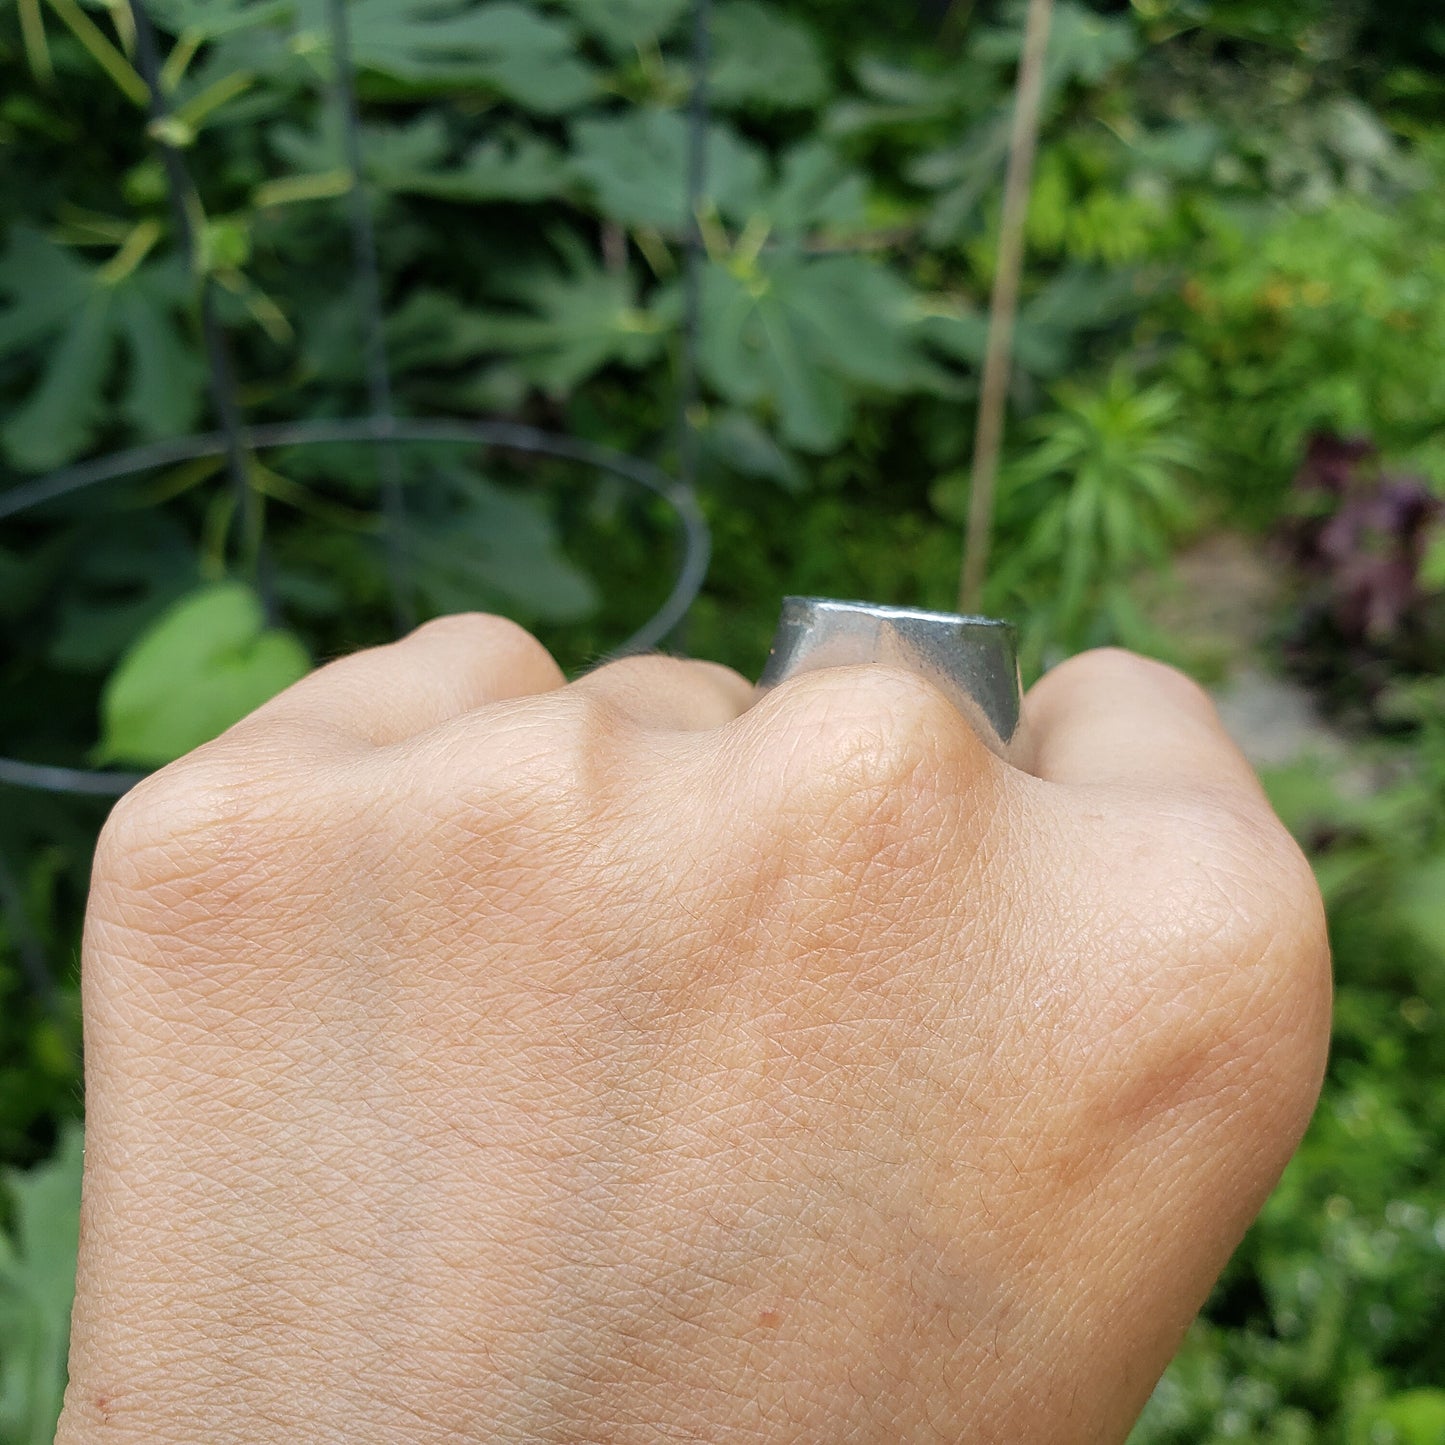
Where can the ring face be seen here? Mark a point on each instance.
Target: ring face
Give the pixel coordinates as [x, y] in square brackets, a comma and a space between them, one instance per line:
[973, 661]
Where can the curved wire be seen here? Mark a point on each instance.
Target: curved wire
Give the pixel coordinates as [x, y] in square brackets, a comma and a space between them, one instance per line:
[382, 427]
[509, 436]
[79, 782]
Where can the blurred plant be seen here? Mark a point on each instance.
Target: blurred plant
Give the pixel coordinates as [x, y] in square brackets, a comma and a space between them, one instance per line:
[1221, 208]
[1331, 321]
[37, 1284]
[1370, 546]
[1101, 491]
[202, 666]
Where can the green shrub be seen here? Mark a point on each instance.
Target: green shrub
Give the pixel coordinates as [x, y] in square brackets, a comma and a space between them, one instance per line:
[1229, 250]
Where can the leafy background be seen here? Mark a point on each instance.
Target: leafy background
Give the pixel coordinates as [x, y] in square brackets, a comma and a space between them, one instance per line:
[1232, 337]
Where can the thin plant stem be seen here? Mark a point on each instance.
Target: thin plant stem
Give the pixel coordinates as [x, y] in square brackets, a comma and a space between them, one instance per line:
[37, 48]
[189, 223]
[105, 55]
[1003, 309]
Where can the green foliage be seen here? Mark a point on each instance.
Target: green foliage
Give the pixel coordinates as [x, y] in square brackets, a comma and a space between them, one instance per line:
[802, 334]
[764, 59]
[1332, 320]
[566, 326]
[200, 667]
[628, 25]
[37, 1284]
[481, 545]
[437, 45]
[1101, 491]
[635, 166]
[1235, 238]
[85, 314]
[1416, 1417]
[416, 159]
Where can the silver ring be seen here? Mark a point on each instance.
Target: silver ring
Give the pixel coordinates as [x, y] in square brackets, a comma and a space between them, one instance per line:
[973, 661]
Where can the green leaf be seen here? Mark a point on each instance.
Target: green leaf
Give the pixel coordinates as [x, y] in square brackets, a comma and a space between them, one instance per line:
[415, 159]
[1416, 1417]
[899, 94]
[388, 152]
[122, 571]
[60, 416]
[518, 167]
[764, 59]
[805, 333]
[582, 320]
[568, 324]
[167, 375]
[636, 166]
[43, 284]
[434, 45]
[816, 190]
[735, 442]
[213, 19]
[206, 663]
[87, 318]
[963, 174]
[1051, 324]
[624, 26]
[1084, 46]
[495, 549]
[37, 1286]
[1421, 903]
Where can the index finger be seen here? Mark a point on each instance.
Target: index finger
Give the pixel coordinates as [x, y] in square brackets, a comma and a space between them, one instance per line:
[445, 668]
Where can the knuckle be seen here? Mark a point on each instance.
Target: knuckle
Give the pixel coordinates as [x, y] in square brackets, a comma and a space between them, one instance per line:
[1283, 986]
[538, 765]
[189, 827]
[177, 804]
[1256, 891]
[672, 687]
[868, 724]
[497, 637]
[1120, 662]
[867, 759]
[632, 677]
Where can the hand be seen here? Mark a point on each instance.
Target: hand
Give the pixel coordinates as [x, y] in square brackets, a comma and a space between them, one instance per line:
[474, 1057]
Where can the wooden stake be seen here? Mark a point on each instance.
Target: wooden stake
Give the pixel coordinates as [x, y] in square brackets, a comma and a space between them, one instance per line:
[1003, 308]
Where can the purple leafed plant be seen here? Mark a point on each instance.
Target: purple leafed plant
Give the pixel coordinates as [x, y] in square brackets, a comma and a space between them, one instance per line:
[1359, 536]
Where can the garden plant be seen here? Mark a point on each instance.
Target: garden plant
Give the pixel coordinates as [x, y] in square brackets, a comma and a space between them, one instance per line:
[1232, 323]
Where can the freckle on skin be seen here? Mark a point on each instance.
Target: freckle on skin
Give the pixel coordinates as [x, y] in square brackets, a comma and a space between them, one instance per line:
[770, 1319]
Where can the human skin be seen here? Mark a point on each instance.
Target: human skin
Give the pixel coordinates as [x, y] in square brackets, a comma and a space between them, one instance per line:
[473, 1057]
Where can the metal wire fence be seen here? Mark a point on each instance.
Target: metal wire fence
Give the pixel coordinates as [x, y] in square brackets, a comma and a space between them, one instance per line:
[234, 441]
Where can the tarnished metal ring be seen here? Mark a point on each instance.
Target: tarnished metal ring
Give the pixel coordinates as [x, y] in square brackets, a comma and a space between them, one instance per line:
[973, 661]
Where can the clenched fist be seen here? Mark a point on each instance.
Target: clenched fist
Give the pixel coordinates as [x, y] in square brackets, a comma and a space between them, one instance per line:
[473, 1057]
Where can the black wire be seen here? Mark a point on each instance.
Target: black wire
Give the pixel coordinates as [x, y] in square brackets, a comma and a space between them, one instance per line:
[382, 427]
[82, 782]
[368, 285]
[696, 544]
[221, 375]
[688, 436]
